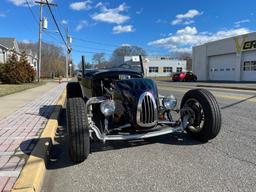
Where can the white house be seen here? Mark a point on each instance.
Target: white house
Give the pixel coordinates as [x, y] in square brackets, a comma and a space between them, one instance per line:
[9, 46]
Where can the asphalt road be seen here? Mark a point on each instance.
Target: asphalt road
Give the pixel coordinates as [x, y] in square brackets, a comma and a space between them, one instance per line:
[171, 162]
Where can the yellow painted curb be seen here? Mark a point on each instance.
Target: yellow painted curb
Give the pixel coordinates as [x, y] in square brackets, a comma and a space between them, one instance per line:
[33, 172]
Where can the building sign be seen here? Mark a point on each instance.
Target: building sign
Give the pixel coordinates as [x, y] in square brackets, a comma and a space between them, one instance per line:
[242, 44]
[248, 45]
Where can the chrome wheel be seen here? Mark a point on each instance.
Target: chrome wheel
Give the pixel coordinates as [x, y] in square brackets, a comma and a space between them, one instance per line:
[194, 112]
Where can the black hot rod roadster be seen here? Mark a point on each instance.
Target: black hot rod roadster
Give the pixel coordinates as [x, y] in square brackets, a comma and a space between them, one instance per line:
[120, 104]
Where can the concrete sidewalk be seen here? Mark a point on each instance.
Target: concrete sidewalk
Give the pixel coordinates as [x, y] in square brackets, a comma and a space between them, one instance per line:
[29, 111]
[11, 103]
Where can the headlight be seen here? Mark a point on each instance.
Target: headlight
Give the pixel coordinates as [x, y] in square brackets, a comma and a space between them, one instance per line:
[169, 102]
[107, 107]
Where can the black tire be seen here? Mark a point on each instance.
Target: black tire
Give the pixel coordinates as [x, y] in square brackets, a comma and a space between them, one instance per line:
[74, 90]
[78, 132]
[212, 114]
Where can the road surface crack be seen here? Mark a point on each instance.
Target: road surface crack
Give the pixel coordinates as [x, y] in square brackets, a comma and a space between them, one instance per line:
[231, 155]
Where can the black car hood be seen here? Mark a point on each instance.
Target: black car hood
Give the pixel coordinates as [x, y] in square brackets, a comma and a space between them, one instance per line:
[135, 87]
[127, 93]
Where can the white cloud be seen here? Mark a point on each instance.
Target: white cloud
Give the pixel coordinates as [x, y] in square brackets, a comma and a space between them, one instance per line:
[161, 21]
[238, 23]
[2, 14]
[111, 15]
[24, 2]
[81, 25]
[82, 5]
[139, 11]
[187, 18]
[100, 4]
[126, 45]
[187, 31]
[26, 41]
[185, 38]
[64, 22]
[123, 29]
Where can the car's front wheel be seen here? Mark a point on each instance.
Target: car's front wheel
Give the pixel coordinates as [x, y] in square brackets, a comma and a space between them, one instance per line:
[78, 132]
[204, 114]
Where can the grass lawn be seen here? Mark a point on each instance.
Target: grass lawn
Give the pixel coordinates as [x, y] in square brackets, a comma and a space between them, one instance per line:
[7, 89]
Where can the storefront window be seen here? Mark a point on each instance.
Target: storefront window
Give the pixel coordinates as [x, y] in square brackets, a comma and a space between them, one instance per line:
[247, 66]
[179, 69]
[253, 65]
[153, 69]
[167, 69]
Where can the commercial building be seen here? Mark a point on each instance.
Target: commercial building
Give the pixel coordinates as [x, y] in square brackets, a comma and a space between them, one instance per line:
[231, 59]
[160, 66]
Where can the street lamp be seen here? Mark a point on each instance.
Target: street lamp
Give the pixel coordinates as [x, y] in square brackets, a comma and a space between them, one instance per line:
[70, 70]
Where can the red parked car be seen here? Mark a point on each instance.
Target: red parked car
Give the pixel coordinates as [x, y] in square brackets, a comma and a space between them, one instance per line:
[188, 76]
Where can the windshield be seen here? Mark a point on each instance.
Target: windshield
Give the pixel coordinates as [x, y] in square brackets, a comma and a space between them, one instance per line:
[127, 62]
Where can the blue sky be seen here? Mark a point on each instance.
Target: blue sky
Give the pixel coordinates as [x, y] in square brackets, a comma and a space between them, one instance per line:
[158, 26]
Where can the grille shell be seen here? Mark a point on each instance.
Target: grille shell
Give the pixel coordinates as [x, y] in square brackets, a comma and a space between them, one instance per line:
[146, 110]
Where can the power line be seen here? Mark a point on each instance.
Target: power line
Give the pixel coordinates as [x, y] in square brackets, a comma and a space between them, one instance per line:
[108, 44]
[85, 47]
[52, 37]
[96, 42]
[100, 50]
[57, 25]
[92, 52]
[31, 11]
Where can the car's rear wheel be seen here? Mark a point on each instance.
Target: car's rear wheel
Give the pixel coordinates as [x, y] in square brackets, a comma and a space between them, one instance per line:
[204, 114]
[78, 132]
[73, 90]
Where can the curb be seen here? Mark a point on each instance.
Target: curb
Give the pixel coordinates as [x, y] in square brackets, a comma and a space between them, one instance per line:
[211, 86]
[227, 87]
[33, 172]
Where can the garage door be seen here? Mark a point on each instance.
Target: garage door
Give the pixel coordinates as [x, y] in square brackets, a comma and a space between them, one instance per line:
[249, 66]
[222, 67]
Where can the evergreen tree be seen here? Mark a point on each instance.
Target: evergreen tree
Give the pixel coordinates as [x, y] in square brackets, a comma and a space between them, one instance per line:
[16, 72]
[26, 71]
[9, 73]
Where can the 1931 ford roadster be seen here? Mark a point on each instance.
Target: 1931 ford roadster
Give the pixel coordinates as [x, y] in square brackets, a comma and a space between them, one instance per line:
[120, 104]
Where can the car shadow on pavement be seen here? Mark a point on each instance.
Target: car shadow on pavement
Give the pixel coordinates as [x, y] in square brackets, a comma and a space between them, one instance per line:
[47, 111]
[238, 102]
[170, 139]
[59, 155]
[45, 148]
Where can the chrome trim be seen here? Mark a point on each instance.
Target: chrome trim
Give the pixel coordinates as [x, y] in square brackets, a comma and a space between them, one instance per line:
[104, 137]
[159, 132]
[150, 115]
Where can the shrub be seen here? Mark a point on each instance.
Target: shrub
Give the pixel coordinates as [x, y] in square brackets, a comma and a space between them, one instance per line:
[16, 72]
[27, 71]
[1, 71]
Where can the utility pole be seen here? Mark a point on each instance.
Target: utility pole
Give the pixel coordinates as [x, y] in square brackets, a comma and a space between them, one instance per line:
[41, 3]
[69, 40]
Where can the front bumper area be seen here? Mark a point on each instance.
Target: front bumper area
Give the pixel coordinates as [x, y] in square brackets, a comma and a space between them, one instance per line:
[162, 128]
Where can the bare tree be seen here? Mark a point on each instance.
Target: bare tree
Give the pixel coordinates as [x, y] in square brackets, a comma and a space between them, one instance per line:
[86, 65]
[98, 58]
[184, 56]
[53, 58]
[119, 53]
